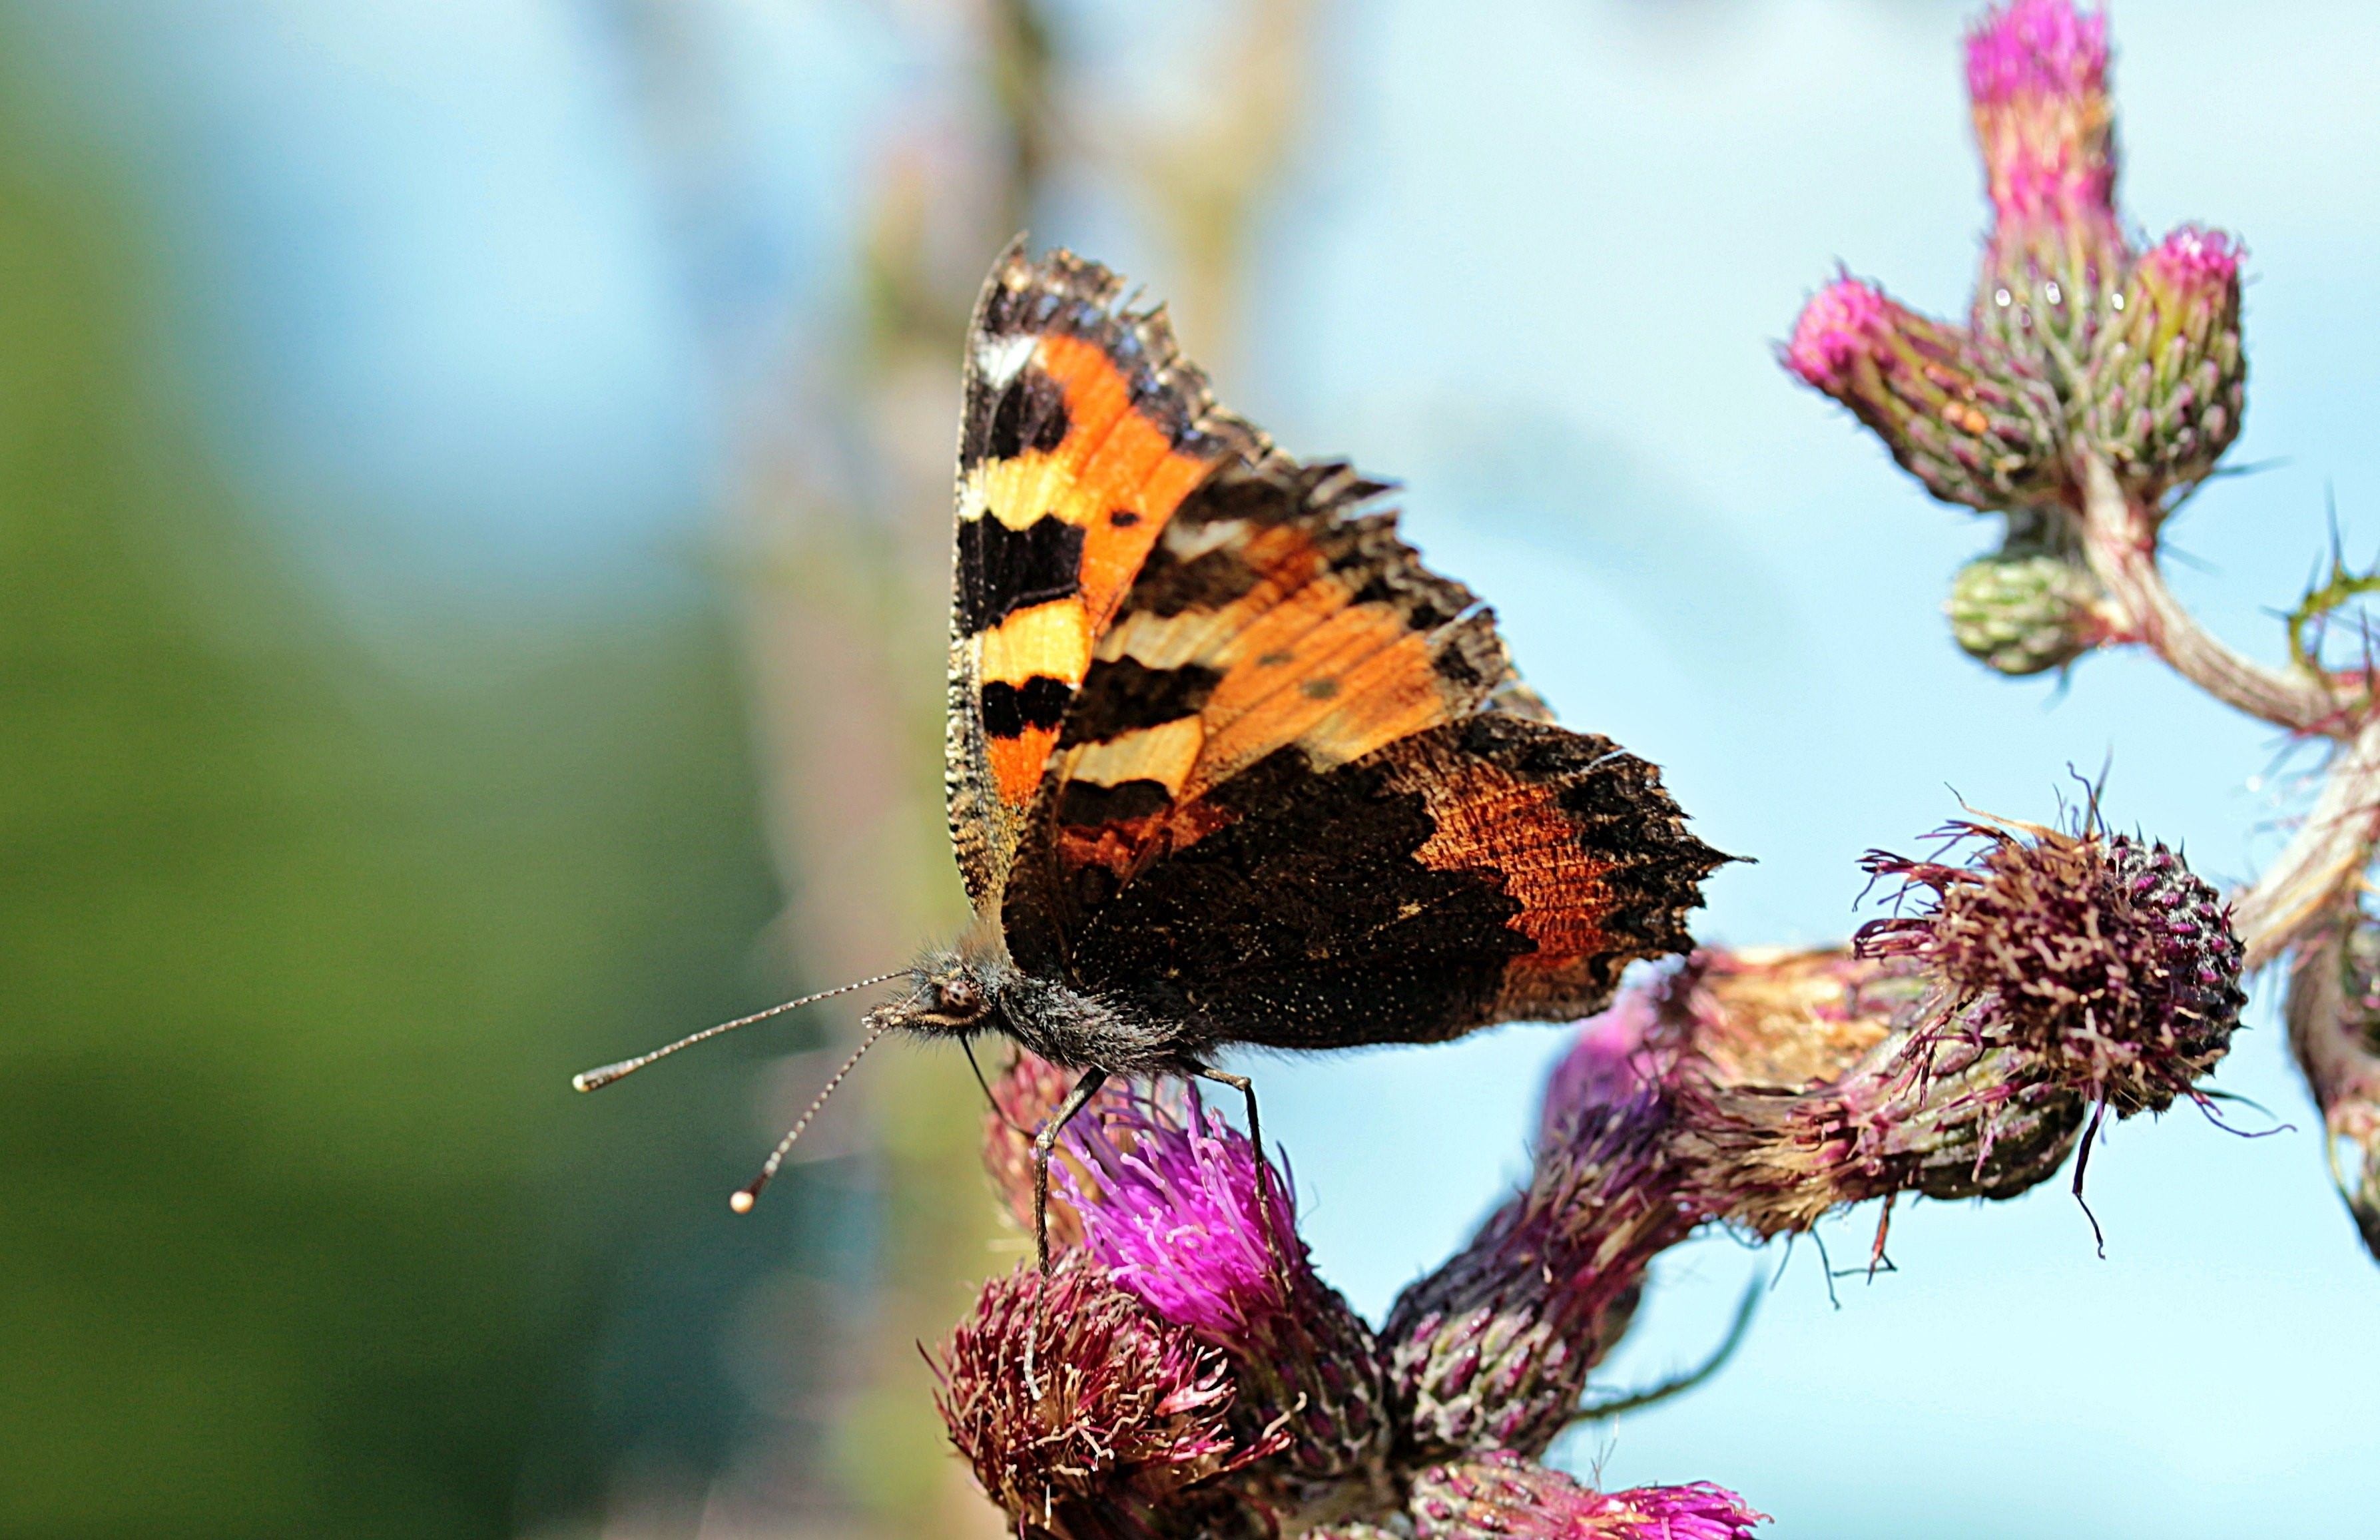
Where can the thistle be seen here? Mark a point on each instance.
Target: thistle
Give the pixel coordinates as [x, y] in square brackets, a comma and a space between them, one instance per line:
[1807, 1082]
[1492, 1350]
[2056, 258]
[1970, 429]
[1026, 1094]
[1082, 1413]
[2334, 1014]
[2104, 955]
[1499, 1496]
[2170, 381]
[1170, 1211]
[2024, 612]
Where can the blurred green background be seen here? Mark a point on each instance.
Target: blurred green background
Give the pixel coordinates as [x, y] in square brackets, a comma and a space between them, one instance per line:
[473, 547]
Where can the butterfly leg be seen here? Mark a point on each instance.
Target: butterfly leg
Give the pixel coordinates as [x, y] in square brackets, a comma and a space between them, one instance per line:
[1046, 1141]
[1247, 1090]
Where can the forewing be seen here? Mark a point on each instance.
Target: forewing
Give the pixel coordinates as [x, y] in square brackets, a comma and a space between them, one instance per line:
[1081, 431]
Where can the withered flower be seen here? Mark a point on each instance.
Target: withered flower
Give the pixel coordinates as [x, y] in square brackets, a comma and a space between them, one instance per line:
[1083, 1413]
[2099, 953]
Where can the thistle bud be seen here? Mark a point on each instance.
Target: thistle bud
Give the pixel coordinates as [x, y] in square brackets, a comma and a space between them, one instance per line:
[1170, 1210]
[1805, 1082]
[2056, 258]
[2171, 380]
[2023, 613]
[1970, 429]
[1499, 1496]
[1493, 1349]
[2103, 956]
[1083, 1413]
[2334, 1011]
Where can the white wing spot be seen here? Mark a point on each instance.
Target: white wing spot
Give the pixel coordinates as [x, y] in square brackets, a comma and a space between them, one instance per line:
[1000, 360]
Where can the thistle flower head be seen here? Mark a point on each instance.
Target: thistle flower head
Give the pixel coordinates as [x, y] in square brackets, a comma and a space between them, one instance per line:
[2101, 952]
[1611, 1058]
[1499, 1495]
[2170, 384]
[1836, 329]
[2037, 77]
[1063, 1390]
[1492, 1350]
[1806, 1082]
[1170, 1210]
[1959, 418]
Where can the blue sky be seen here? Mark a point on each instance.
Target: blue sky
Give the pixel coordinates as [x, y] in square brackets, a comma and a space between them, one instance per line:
[1530, 258]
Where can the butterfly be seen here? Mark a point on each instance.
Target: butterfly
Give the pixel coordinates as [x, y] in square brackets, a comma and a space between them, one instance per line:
[1226, 764]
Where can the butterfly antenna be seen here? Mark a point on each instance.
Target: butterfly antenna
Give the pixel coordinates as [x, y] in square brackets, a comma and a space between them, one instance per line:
[746, 1195]
[595, 1080]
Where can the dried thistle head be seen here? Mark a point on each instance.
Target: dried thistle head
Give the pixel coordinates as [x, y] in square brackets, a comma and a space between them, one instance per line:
[1499, 1496]
[1070, 1397]
[2099, 950]
[1806, 1082]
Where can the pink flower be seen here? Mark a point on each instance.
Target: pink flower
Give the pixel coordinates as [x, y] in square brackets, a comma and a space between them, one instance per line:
[1841, 323]
[1958, 416]
[2036, 47]
[1502, 1496]
[1170, 1210]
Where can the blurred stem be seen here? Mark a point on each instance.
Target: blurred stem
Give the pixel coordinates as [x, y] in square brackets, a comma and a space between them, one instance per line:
[2120, 541]
[2325, 859]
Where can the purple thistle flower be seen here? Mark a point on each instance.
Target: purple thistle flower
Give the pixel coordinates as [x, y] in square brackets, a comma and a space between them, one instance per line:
[2103, 956]
[1170, 1209]
[2037, 77]
[1493, 1349]
[1612, 1057]
[1083, 1414]
[1499, 1496]
[1971, 429]
[2036, 48]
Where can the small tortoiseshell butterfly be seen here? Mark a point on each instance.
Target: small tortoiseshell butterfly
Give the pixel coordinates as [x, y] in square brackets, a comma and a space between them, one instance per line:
[1226, 763]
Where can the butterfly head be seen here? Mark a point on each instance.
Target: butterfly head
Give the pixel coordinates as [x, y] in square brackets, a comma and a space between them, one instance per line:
[950, 995]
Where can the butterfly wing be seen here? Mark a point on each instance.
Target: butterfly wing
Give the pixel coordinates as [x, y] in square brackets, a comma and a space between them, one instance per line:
[1274, 776]
[1081, 431]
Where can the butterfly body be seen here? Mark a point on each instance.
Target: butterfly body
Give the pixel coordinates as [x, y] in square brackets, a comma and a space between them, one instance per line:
[1226, 763]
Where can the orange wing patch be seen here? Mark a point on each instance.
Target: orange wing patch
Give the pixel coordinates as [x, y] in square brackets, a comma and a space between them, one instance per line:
[1264, 619]
[1082, 433]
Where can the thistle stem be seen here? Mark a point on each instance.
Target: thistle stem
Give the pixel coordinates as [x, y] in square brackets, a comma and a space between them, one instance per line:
[2120, 540]
[2300, 889]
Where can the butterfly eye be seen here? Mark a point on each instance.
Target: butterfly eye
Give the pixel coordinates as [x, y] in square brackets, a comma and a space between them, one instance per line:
[960, 994]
